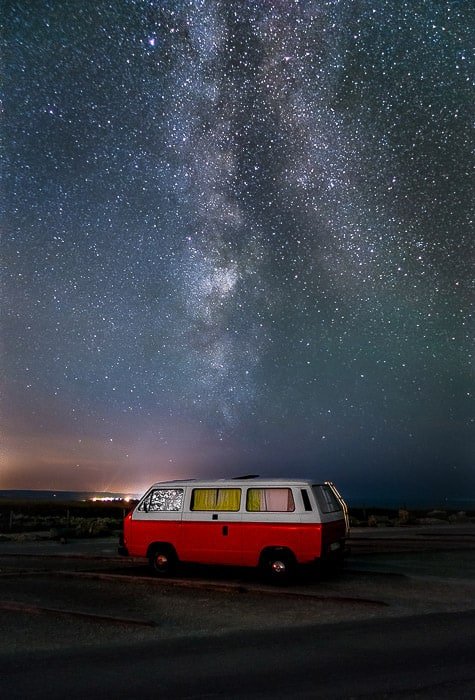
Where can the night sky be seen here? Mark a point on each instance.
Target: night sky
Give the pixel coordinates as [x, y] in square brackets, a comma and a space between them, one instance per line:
[237, 238]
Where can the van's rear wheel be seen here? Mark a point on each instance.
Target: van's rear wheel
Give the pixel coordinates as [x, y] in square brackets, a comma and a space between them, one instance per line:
[278, 567]
[162, 561]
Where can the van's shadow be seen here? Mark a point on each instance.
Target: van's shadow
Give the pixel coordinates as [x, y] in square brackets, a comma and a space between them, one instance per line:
[234, 575]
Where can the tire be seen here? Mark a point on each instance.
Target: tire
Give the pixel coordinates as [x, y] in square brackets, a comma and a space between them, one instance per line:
[162, 561]
[278, 567]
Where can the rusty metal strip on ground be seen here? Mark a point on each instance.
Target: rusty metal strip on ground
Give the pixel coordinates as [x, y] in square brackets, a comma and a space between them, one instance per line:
[23, 572]
[70, 555]
[226, 587]
[26, 607]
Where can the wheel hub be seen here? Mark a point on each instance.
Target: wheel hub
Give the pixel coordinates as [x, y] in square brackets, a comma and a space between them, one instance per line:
[278, 567]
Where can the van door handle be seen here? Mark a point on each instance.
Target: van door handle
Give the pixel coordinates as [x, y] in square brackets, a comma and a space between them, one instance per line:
[225, 530]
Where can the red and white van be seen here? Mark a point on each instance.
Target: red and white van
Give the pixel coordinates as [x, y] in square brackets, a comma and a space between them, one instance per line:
[271, 523]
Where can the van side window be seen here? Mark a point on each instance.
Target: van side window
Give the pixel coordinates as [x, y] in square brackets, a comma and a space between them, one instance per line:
[162, 500]
[216, 499]
[274, 500]
[326, 499]
[306, 500]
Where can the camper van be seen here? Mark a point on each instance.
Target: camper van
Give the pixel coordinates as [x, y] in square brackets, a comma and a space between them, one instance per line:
[273, 524]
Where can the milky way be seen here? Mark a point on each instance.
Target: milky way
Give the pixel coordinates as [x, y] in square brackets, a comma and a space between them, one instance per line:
[238, 238]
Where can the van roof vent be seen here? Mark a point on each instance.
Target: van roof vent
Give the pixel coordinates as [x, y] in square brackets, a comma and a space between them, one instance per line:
[247, 476]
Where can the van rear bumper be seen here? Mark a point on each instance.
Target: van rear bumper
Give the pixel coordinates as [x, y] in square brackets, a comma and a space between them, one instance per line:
[333, 552]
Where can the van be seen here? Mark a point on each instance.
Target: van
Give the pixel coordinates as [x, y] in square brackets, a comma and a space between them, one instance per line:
[273, 524]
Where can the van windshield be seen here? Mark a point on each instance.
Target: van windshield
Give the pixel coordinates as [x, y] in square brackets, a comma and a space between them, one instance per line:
[162, 500]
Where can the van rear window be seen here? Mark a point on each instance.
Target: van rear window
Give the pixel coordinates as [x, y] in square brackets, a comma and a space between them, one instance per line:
[216, 499]
[162, 500]
[273, 500]
[326, 499]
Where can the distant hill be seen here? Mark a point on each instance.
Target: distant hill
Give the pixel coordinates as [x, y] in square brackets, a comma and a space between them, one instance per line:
[360, 502]
[32, 495]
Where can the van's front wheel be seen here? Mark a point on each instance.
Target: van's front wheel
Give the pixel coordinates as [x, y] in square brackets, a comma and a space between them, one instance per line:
[162, 561]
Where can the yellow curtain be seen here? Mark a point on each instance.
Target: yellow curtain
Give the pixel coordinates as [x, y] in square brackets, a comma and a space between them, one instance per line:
[254, 500]
[216, 499]
[228, 499]
[204, 499]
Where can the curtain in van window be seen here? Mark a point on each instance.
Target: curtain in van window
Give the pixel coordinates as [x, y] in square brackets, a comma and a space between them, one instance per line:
[216, 499]
[275, 500]
[279, 499]
[204, 499]
[228, 499]
[254, 500]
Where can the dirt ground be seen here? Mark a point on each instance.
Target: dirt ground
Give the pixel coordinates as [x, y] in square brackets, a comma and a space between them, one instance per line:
[80, 593]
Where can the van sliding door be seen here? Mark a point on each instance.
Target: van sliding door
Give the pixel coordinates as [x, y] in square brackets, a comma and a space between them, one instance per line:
[211, 531]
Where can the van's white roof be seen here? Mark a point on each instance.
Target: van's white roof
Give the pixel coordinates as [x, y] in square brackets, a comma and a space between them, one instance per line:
[258, 481]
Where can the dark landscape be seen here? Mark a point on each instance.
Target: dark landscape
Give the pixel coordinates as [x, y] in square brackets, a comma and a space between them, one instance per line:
[77, 515]
[61, 517]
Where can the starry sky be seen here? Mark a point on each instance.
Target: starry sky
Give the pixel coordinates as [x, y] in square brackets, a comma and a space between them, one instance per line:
[237, 237]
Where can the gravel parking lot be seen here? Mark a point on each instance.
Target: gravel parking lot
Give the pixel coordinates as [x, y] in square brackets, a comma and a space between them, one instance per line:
[81, 594]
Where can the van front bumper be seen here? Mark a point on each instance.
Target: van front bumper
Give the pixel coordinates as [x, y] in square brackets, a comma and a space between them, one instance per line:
[122, 549]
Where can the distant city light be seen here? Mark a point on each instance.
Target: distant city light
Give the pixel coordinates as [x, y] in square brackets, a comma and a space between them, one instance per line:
[103, 499]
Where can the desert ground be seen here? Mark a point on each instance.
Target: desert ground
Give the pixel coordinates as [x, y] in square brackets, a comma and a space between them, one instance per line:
[78, 620]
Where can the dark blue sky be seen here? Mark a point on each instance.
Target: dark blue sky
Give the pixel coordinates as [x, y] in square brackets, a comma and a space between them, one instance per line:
[237, 239]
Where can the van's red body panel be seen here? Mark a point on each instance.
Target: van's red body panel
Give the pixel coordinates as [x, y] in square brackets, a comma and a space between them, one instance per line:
[205, 543]
[139, 534]
[303, 540]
